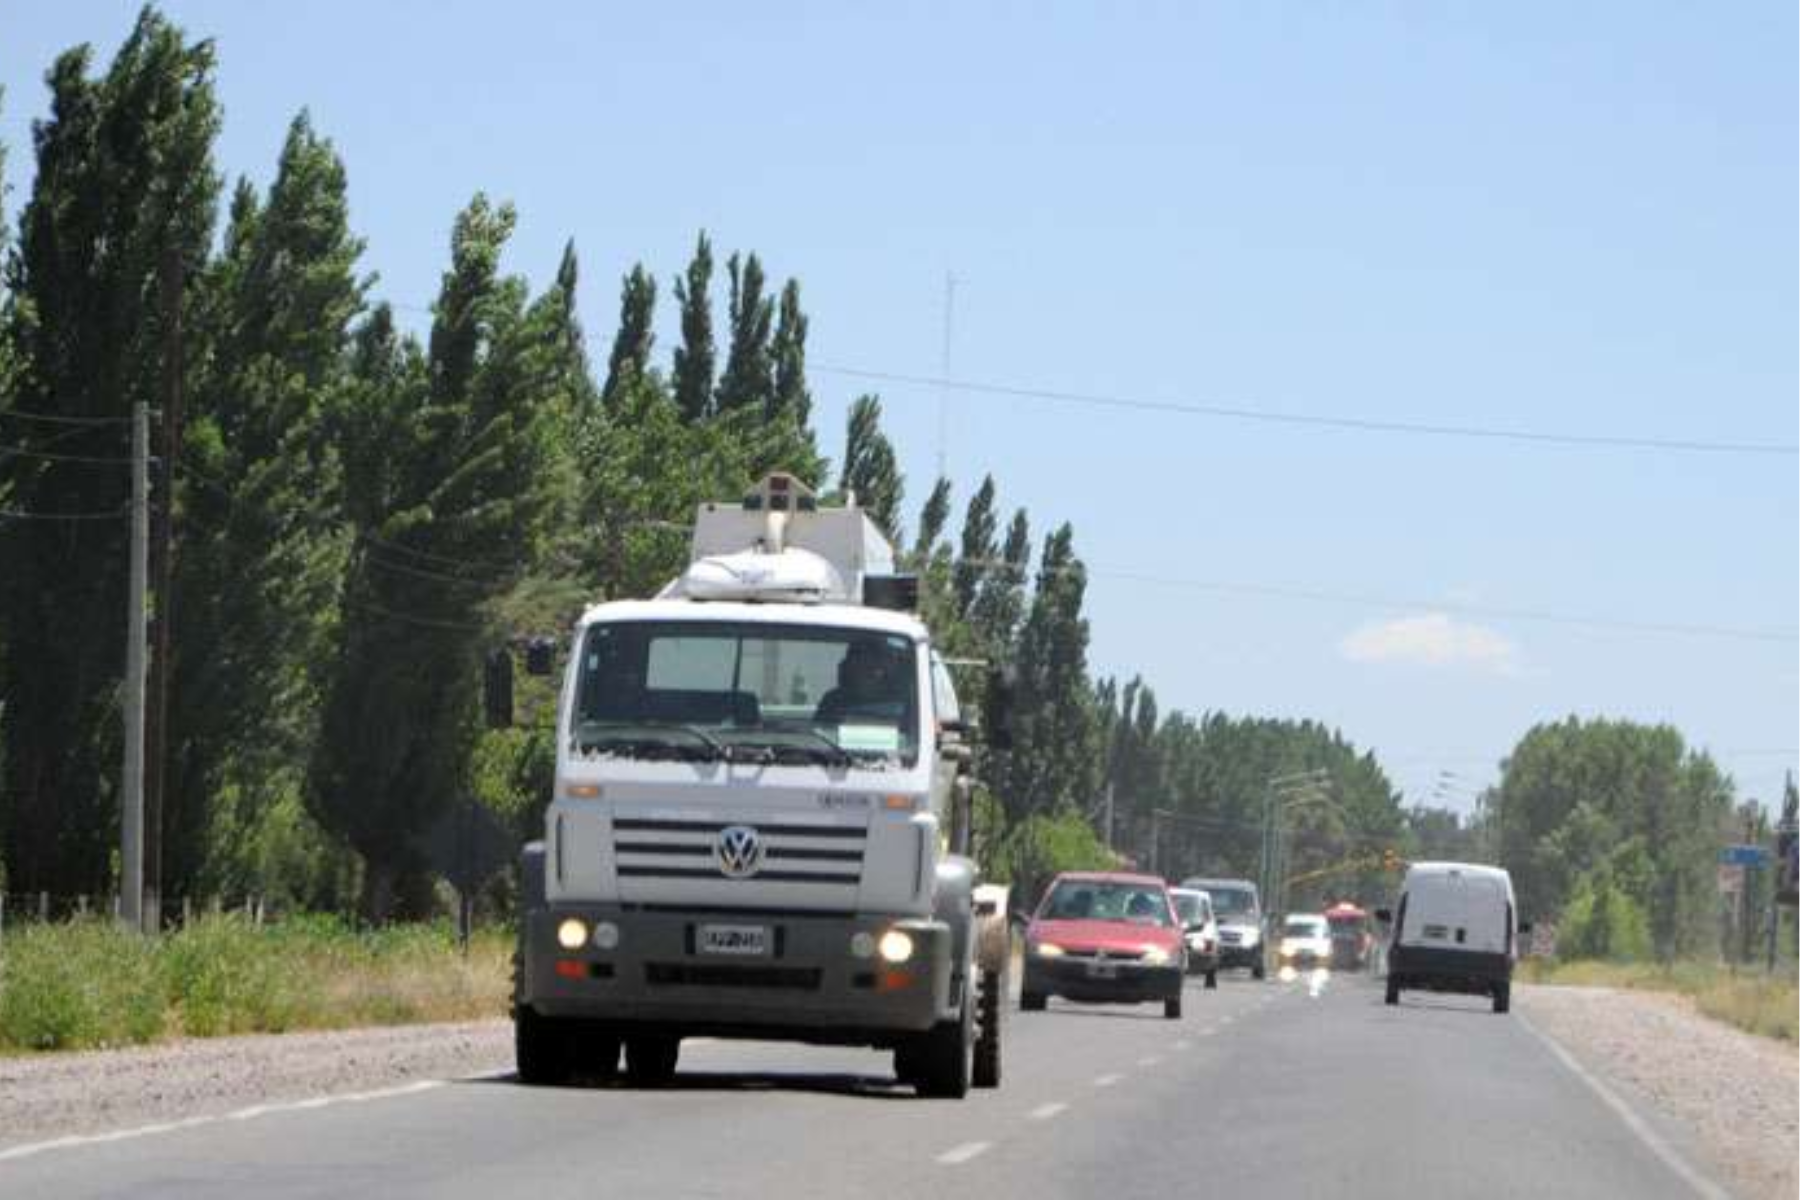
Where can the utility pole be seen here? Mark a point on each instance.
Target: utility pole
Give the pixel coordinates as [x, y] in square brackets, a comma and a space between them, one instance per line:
[131, 799]
[1107, 825]
[1155, 839]
[162, 563]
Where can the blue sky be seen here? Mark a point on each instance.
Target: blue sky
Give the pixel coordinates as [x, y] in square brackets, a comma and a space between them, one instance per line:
[1570, 218]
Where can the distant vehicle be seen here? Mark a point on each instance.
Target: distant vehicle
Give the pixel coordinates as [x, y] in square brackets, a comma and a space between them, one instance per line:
[1239, 912]
[1305, 941]
[1200, 929]
[1105, 938]
[1456, 930]
[1350, 937]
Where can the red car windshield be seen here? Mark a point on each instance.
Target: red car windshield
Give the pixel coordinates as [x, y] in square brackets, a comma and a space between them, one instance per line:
[1091, 900]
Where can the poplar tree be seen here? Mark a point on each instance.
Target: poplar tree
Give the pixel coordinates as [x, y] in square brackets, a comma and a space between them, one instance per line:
[976, 559]
[871, 469]
[932, 520]
[261, 546]
[632, 345]
[790, 398]
[696, 356]
[124, 192]
[748, 384]
[449, 512]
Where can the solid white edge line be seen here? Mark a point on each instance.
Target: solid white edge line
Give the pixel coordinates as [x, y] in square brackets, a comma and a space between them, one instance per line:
[1654, 1141]
[29, 1149]
[957, 1155]
[1044, 1112]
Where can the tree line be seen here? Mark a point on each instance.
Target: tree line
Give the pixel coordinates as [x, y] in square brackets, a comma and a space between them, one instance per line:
[359, 514]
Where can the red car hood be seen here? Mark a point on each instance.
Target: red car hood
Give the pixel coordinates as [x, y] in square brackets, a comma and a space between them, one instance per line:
[1104, 935]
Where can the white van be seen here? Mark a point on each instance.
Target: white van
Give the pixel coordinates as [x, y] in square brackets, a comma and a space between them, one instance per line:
[1456, 930]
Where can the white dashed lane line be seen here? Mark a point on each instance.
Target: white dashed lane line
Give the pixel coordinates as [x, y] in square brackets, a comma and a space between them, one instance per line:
[1184, 1044]
[957, 1155]
[1044, 1112]
[1149, 1060]
[1107, 1080]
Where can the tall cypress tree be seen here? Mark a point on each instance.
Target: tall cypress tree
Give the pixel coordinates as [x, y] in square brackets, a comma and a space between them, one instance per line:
[124, 191]
[632, 344]
[261, 552]
[447, 517]
[748, 383]
[1001, 601]
[696, 356]
[976, 560]
[791, 397]
[932, 519]
[871, 469]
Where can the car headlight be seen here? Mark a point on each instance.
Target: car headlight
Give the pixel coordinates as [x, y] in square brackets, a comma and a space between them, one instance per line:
[1251, 937]
[1046, 949]
[572, 934]
[1156, 956]
[895, 946]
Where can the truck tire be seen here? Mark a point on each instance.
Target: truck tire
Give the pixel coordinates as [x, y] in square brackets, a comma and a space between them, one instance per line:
[1503, 997]
[1032, 1001]
[1212, 980]
[990, 1003]
[540, 1049]
[1172, 1008]
[650, 1059]
[1393, 990]
[944, 1058]
[1258, 970]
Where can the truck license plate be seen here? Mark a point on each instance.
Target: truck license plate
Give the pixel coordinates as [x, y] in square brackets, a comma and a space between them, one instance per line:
[742, 940]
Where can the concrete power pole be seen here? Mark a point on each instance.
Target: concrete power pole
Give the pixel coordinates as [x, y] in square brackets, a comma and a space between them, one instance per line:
[131, 797]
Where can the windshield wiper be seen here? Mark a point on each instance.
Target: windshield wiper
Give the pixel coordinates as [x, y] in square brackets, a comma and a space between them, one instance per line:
[818, 748]
[589, 736]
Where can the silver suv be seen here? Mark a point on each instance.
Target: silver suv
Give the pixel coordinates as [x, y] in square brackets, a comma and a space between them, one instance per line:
[1238, 908]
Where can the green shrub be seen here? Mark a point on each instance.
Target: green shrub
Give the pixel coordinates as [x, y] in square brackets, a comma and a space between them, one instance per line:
[1602, 921]
[78, 985]
[224, 974]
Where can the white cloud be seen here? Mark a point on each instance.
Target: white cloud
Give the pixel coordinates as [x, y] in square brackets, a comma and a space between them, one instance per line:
[1432, 640]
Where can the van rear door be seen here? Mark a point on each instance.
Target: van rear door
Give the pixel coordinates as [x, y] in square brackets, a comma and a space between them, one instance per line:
[1454, 911]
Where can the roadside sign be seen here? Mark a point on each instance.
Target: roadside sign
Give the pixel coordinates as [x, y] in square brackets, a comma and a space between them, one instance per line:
[1731, 879]
[1743, 856]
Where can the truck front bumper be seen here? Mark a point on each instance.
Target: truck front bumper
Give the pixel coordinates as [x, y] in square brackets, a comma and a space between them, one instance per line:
[808, 985]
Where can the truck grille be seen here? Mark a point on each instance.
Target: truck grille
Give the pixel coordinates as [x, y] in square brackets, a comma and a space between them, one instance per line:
[798, 979]
[664, 848]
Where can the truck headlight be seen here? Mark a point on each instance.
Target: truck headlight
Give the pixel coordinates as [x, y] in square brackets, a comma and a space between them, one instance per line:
[1156, 956]
[896, 946]
[572, 934]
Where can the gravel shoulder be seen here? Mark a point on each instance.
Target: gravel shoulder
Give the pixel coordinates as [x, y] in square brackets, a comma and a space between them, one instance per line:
[1733, 1095]
[52, 1095]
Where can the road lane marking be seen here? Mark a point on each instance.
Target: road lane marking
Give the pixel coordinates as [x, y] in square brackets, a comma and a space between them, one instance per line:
[957, 1155]
[1149, 1060]
[1107, 1080]
[1652, 1140]
[1184, 1044]
[28, 1149]
[1044, 1112]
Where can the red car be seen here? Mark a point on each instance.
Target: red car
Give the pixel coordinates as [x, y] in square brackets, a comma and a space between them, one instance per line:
[1105, 938]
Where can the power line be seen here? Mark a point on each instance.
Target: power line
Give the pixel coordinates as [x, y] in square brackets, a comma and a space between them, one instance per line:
[60, 419]
[1358, 424]
[59, 456]
[19, 514]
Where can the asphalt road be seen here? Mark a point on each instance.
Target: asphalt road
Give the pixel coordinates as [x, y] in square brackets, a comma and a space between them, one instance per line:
[1268, 1090]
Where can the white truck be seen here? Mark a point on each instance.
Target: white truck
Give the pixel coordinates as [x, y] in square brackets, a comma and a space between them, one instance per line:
[761, 819]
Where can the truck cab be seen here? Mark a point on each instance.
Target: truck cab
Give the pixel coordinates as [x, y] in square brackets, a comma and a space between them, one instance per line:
[759, 826]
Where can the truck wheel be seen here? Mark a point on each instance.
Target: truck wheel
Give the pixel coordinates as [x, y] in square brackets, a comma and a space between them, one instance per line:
[1172, 1008]
[1393, 990]
[650, 1060]
[1212, 980]
[991, 1001]
[1502, 997]
[1258, 970]
[540, 1049]
[1032, 1001]
[944, 1055]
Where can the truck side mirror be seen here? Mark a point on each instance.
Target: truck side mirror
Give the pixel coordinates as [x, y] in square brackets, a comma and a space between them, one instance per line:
[997, 706]
[497, 689]
[1524, 927]
[1384, 915]
[540, 656]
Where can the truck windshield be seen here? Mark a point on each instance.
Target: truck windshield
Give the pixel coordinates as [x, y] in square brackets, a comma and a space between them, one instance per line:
[747, 692]
[1233, 902]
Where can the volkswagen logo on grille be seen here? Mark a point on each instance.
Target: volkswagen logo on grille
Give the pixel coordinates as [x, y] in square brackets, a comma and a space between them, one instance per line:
[739, 851]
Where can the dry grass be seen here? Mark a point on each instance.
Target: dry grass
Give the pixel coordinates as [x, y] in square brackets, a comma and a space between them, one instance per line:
[88, 984]
[1749, 999]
